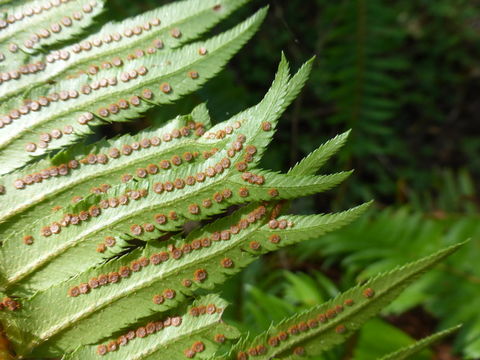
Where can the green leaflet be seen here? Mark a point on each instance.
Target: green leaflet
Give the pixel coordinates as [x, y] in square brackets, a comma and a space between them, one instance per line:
[37, 24]
[71, 321]
[175, 340]
[324, 326]
[192, 17]
[55, 252]
[170, 70]
[307, 227]
[39, 198]
[315, 160]
[407, 352]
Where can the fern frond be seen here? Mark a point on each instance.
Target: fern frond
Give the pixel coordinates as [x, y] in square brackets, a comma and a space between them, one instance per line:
[171, 271]
[361, 66]
[27, 28]
[139, 36]
[179, 72]
[147, 218]
[215, 179]
[31, 198]
[408, 351]
[92, 240]
[80, 170]
[319, 329]
[186, 335]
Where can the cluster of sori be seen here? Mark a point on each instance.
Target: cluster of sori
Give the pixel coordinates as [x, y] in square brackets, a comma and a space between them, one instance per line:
[115, 153]
[275, 340]
[28, 13]
[158, 187]
[10, 304]
[175, 253]
[84, 118]
[141, 332]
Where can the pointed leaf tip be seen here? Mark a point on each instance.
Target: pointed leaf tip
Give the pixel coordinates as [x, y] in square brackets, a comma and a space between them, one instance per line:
[408, 351]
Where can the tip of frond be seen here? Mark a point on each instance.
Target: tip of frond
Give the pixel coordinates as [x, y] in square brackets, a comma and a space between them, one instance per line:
[453, 248]
[262, 13]
[364, 206]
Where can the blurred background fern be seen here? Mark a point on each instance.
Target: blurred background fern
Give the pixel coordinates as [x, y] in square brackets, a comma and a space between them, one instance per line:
[404, 76]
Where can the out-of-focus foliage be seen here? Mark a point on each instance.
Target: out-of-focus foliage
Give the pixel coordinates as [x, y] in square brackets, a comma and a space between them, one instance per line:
[408, 351]
[453, 192]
